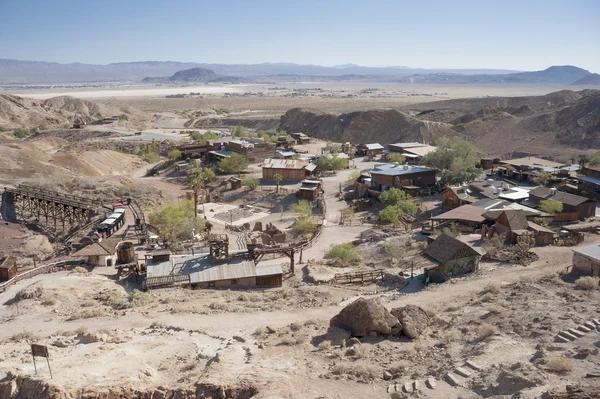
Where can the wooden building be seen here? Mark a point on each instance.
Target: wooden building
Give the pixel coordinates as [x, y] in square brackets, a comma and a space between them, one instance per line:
[543, 235]
[194, 151]
[586, 260]
[101, 253]
[310, 189]
[386, 176]
[369, 150]
[467, 217]
[449, 257]
[301, 138]
[588, 181]
[8, 268]
[286, 141]
[514, 223]
[579, 207]
[453, 197]
[412, 152]
[289, 169]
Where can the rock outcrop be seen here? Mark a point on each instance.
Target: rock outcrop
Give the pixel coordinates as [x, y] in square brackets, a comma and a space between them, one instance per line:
[365, 316]
[414, 320]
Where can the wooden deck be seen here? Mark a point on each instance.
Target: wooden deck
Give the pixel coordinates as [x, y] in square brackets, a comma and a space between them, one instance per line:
[359, 277]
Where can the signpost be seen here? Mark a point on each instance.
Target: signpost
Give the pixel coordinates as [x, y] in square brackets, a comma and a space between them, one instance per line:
[41, 351]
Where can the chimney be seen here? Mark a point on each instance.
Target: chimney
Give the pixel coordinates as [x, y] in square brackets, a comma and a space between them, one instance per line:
[553, 191]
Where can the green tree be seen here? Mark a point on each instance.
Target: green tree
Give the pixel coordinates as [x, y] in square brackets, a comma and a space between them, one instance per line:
[455, 160]
[551, 206]
[174, 155]
[302, 208]
[278, 178]
[239, 131]
[399, 158]
[540, 221]
[250, 182]
[123, 117]
[543, 179]
[303, 226]
[594, 159]
[346, 253]
[390, 214]
[332, 162]
[176, 222]
[235, 163]
[198, 179]
[399, 199]
[203, 138]
[332, 148]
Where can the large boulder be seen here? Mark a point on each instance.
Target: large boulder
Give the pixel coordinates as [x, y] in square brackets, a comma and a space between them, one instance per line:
[414, 320]
[365, 316]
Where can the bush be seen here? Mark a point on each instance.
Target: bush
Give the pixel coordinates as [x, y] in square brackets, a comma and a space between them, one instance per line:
[24, 336]
[48, 301]
[347, 253]
[357, 369]
[134, 299]
[149, 155]
[540, 221]
[235, 163]
[250, 182]
[302, 208]
[80, 270]
[174, 155]
[586, 283]
[398, 158]
[493, 288]
[87, 314]
[22, 133]
[394, 250]
[550, 206]
[303, 226]
[123, 117]
[560, 364]
[485, 331]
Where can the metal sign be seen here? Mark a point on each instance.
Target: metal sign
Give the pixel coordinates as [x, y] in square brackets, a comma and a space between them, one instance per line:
[40, 351]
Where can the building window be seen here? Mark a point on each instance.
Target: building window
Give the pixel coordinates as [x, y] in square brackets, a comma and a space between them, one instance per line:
[234, 282]
[211, 284]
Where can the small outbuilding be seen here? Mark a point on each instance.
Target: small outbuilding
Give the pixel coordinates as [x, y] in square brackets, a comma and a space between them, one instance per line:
[101, 253]
[449, 257]
[586, 260]
[300, 138]
[310, 189]
[8, 268]
[288, 169]
[370, 150]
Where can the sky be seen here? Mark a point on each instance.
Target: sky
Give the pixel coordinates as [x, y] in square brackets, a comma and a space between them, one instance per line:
[506, 34]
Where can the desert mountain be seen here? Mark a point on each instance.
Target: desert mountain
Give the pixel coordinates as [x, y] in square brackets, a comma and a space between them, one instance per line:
[17, 111]
[592, 79]
[558, 124]
[383, 126]
[195, 75]
[566, 74]
[19, 72]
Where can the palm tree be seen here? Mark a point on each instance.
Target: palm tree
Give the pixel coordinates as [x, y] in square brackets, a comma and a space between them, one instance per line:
[278, 178]
[198, 179]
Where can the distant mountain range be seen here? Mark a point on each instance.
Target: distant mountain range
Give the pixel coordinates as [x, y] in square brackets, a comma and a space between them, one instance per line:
[39, 72]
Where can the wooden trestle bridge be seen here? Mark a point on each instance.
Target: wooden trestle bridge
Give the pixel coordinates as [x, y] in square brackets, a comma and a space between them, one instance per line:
[51, 209]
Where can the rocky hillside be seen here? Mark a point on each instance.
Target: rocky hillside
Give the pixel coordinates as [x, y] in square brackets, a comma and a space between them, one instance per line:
[383, 126]
[196, 75]
[560, 124]
[60, 111]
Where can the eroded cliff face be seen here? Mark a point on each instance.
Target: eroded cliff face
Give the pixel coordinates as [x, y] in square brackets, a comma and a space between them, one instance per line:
[15, 387]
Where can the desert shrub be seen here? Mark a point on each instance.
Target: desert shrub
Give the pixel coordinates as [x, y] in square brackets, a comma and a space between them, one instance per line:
[250, 182]
[157, 325]
[394, 250]
[586, 283]
[488, 297]
[303, 226]
[398, 158]
[174, 155]
[492, 288]
[346, 253]
[235, 163]
[48, 301]
[22, 133]
[88, 304]
[295, 327]
[87, 314]
[485, 331]
[550, 206]
[324, 346]
[134, 299]
[451, 336]
[123, 117]
[540, 221]
[302, 208]
[80, 270]
[357, 369]
[82, 330]
[310, 322]
[560, 364]
[24, 336]
[149, 155]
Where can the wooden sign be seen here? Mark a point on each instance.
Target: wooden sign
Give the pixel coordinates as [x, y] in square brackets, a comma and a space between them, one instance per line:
[40, 351]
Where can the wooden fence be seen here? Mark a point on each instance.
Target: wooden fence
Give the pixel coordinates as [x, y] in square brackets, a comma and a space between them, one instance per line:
[46, 268]
[361, 277]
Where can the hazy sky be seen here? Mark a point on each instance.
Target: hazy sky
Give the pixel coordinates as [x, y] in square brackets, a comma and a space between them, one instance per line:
[521, 34]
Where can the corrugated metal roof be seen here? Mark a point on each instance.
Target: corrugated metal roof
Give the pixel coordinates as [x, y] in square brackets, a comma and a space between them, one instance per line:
[274, 163]
[592, 251]
[201, 269]
[311, 167]
[590, 179]
[408, 145]
[421, 150]
[399, 170]
[532, 162]
[372, 146]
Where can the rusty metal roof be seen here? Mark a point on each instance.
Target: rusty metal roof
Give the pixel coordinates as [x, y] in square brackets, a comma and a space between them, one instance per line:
[273, 163]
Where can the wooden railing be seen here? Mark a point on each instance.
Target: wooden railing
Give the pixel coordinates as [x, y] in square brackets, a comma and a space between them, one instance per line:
[46, 268]
[362, 277]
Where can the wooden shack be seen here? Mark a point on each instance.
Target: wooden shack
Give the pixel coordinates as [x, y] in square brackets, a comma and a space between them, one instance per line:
[310, 189]
[8, 268]
[449, 257]
[586, 260]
